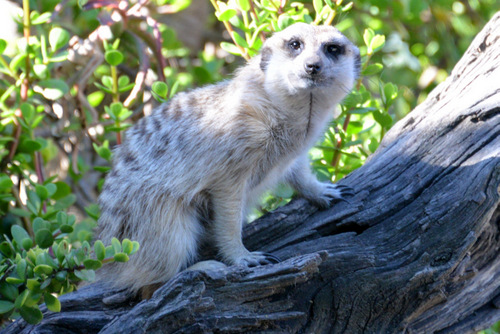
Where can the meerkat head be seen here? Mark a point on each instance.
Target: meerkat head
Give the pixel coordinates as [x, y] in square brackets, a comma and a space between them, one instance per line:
[306, 58]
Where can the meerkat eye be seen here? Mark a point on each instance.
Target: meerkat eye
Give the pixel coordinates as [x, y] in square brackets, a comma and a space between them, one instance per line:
[334, 49]
[295, 44]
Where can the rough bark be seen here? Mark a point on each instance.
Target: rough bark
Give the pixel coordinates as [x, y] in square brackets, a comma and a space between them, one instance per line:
[415, 251]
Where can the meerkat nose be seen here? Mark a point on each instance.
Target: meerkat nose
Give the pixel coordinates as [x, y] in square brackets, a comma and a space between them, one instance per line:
[312, 67]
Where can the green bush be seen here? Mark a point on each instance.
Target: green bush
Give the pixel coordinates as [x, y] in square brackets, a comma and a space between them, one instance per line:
[84, 71]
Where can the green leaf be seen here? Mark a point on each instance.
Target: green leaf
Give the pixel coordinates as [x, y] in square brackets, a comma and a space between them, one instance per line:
[21, 299]
[122, 127]
[63, 190]
[123, 80]
[37, 121]
[3, 46]
[44, 238]
[8, 291]
[65, 202]
[28, 112]
[40, 70]
[32, 315]
[33, 299]
[121, 257]
[19, 234]
[59, 57]
[43, 269]
[51, 189]
[62, 217]
[318, 5]
[41, 18]
[62, 250]
[390, 93]
[383, 118]
[104, 88]
[243, 5]
[240, 40]
[40, 223]
[114, 110]
[14, 280]
[231, 48]
[6, 306]
[160, 88]
[58, 37]
[42, 192]
[30, 146]
[103, 152]
[226, 15]
[107, 81]
[92, 264]
[5, 182]
[61, 276]
[33, 284]
[17, 61]
[127, 246]
[45, 284]
[53, 89]
[113, 57]
[376, 43]
[99, 250]
[95, 98]
[93, 211]
[52, 302]
[117, 246]
[66, 229]
[372, 69]
[20, 212]
[368, 35]
[135, 247]
[285, 21]
[21, 269]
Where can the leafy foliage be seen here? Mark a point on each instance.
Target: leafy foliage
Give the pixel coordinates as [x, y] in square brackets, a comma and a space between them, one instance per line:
[83, 72]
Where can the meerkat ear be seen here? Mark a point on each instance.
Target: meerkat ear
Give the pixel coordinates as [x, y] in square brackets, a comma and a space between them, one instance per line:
[265, 55]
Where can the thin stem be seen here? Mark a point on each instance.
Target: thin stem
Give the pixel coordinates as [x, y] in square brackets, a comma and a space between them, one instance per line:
[330, 17]
[114, 76]
[244, 15]
[256, 18]
[26, 30]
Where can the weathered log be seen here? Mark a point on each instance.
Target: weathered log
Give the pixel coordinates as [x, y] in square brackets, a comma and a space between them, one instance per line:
[415, 251]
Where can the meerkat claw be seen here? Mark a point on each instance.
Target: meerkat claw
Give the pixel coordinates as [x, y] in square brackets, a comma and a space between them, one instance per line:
[271, 258]
[346, 190]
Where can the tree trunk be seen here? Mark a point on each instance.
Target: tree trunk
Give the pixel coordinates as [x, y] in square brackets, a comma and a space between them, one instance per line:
[415, 251]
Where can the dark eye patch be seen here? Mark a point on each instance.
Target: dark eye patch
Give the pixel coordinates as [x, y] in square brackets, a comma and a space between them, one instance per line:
[334, 50]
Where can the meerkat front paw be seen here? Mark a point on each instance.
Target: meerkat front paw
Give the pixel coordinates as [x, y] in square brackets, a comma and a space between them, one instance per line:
[254, 259]
[331, 193]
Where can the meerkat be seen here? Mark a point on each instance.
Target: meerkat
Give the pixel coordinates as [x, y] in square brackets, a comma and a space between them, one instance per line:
[191, 169]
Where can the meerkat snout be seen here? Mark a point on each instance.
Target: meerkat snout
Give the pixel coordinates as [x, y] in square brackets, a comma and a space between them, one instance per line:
[313, 66]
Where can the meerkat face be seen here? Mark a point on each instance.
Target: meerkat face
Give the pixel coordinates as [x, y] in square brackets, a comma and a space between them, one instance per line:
[307, 58]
